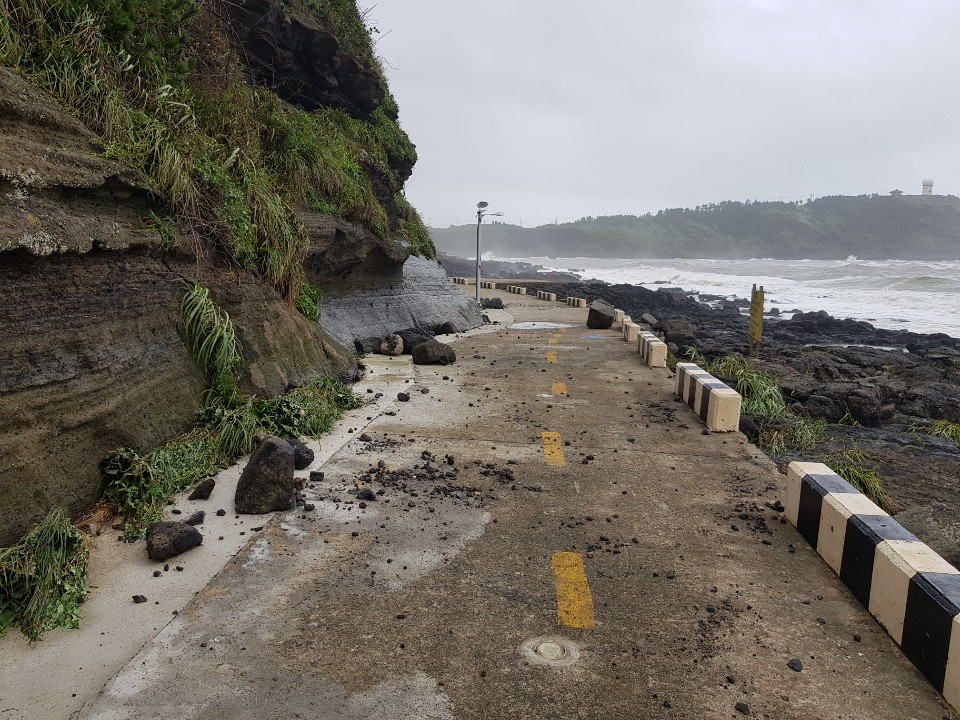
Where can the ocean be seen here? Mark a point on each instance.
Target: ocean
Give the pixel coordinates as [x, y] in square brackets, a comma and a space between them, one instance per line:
[921, 296]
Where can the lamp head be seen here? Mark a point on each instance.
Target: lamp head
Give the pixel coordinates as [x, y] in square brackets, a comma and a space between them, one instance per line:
[482, 205]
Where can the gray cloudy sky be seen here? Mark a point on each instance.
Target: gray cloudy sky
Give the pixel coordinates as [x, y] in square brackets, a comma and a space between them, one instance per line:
[554, 109]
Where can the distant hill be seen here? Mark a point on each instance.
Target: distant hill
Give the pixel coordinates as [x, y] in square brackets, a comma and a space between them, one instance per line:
[871, 227]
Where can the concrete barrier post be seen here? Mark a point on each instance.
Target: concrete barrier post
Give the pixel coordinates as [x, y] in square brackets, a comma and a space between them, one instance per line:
[631, 331]
[716, 404]
[652, 349]
[911, 591]
[581, 302]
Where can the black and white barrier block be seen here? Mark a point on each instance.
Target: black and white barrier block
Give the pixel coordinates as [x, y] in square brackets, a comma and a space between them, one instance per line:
[652, 349]
[717, 404]
[912, 591]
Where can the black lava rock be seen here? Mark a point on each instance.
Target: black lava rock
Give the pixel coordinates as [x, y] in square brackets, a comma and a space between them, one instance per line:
[166, 539]
[203, 490]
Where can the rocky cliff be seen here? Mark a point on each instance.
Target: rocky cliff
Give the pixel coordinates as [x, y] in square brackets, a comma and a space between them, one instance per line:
[113, 196]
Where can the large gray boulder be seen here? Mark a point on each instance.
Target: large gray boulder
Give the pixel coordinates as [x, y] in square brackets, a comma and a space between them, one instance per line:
[166, 539]
[433, 352]
[392, 344]
[413, 337]
[267, 482]
[600, 315]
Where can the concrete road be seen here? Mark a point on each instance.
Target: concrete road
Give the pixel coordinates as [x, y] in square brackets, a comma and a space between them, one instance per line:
[551, 536]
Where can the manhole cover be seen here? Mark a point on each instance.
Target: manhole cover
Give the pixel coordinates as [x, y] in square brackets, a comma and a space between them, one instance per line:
[550, 650]
[554, 651]
[539, 326]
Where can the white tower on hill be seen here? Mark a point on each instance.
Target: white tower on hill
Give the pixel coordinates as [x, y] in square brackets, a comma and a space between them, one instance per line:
[928, 186]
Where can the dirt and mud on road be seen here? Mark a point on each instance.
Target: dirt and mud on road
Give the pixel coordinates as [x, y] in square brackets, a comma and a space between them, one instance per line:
[531, 535]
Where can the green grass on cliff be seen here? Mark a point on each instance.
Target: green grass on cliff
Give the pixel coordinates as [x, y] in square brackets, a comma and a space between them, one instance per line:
[43, 578]
[233, 165]
[946, 429]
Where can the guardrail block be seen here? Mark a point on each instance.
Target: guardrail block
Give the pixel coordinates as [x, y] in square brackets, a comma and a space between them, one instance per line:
[631, 331]
[716, 404]
[652, 349]
[911, 591]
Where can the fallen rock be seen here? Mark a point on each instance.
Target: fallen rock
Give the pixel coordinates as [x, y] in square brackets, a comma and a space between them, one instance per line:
[402, 397]
[600, 315]
[169, 538]
[366, 494]
[392, 344]
[197, 518]
[203, 490]
[433, 353]
[649, 319]
[445, 328]
[367, 345]
[267, 482]
[491, 303]
[139, 599]
[302, 455]
[795, 664]
[413, 337]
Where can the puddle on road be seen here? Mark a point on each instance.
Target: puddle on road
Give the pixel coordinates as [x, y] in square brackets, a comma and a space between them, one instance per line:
[538, 326]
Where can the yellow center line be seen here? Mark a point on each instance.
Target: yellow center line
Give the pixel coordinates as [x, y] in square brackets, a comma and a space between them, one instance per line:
[559, 388]
[553, 448]
[552, 356]
[553, 340]
[574, 599]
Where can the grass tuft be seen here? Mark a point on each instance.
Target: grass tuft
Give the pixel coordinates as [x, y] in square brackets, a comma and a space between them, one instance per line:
[852, 466]
[43, 578]
[946, 429]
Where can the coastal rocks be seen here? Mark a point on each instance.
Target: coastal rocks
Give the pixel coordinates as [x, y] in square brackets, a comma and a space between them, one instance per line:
[302, 455]
[367, 345]
[166, 539]
[267, 482]
[491, 303]
[600, 315]
[433, 353]
[392, 344]
[445, 328]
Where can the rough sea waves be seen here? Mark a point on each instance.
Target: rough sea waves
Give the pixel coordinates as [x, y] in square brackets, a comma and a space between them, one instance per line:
[921, 296]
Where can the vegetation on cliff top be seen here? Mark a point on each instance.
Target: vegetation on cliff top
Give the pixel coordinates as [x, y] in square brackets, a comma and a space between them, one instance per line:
[231, 163]
[869, 227]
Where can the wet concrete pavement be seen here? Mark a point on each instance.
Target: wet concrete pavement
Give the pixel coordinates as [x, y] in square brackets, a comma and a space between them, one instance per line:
[689, 599]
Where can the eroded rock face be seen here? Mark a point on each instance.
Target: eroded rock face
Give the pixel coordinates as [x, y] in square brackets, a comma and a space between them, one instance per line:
[300, 60]
[421, 296]
[58, 194]
[267, 482]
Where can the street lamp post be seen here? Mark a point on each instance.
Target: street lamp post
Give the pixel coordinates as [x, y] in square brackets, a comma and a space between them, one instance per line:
[482, 212]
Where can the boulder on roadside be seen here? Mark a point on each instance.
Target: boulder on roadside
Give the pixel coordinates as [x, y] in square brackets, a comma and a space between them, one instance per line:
[392, 345]
[413, 337]
[649, 319]
[302, 455]
[267, 482]
[203, 490]
[445, 328]
[169, 538]
[367, 345]
[433, 353]
[600, 315]
[491, 303]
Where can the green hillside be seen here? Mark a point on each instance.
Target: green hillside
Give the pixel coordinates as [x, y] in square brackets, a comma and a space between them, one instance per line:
[868, 226]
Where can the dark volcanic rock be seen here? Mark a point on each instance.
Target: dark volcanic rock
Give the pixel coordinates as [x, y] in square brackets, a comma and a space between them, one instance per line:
[267, 482]
[166, 539]
[433, 353]
[600, 315]
[392, 344]
[445, 328]
[203, 490]
[302, 455]
[367, 345]
[491, 303]
[196, 518]
[413, 337]
[300, 60]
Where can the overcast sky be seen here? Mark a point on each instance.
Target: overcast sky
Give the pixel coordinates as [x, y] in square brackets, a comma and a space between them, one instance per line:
[550, 109]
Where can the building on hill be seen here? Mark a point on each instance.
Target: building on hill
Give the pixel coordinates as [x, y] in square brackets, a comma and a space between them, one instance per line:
[928, 186]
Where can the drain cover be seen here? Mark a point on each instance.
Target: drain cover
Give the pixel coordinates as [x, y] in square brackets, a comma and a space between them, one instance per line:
[550, 650]
[538, 326]
[554, 651]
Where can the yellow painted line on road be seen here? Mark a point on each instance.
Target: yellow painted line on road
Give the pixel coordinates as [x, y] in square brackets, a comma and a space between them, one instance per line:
[574, 599]
[552, 356]
[559, 388]
[554, 340]
[553, 448]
